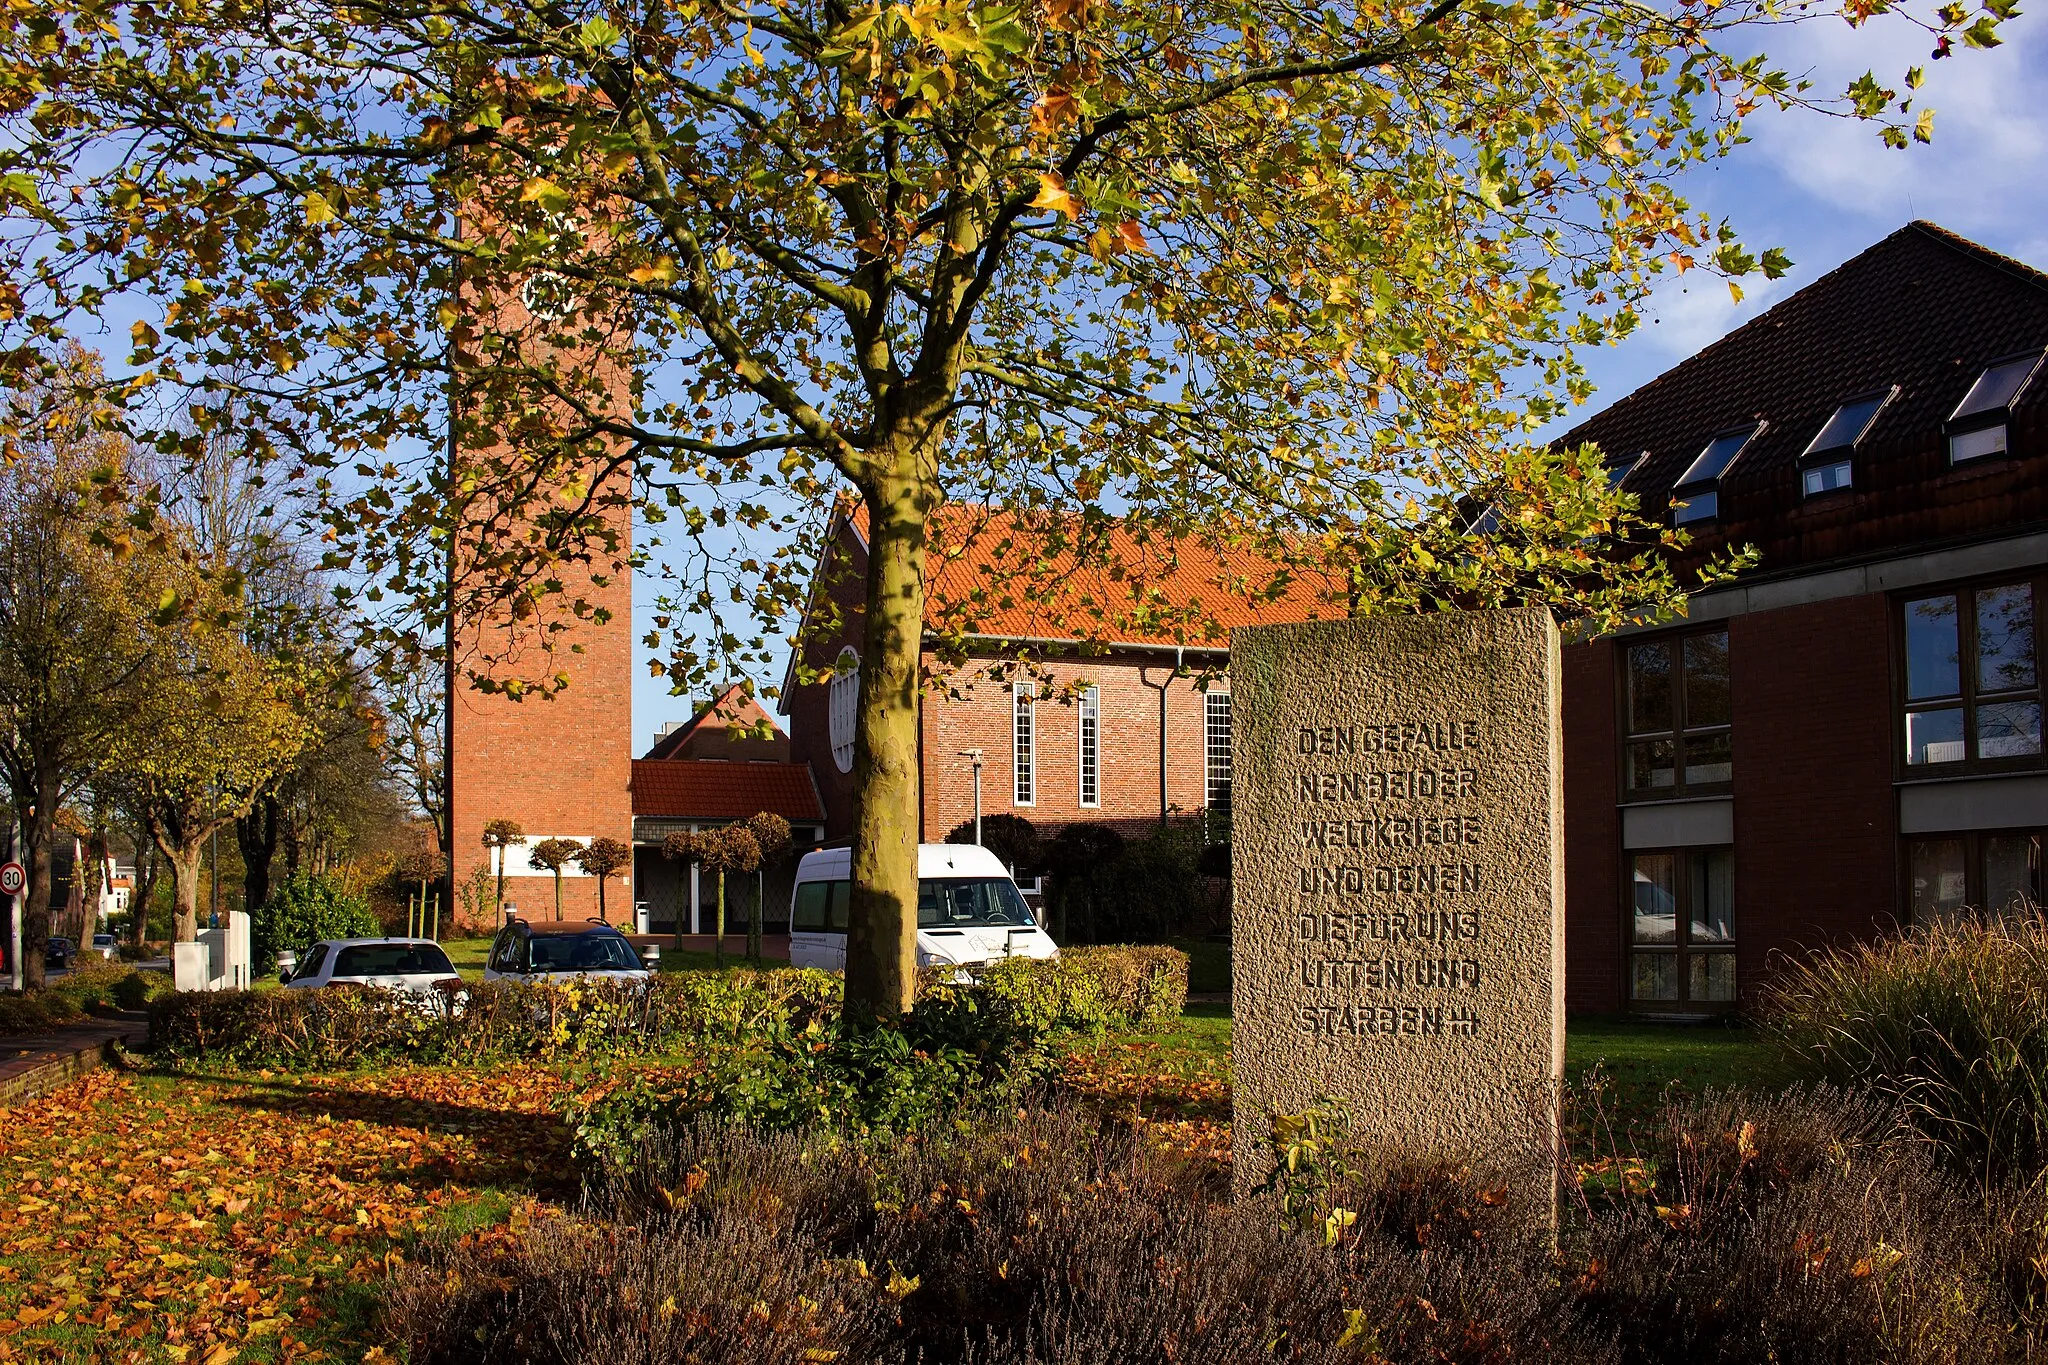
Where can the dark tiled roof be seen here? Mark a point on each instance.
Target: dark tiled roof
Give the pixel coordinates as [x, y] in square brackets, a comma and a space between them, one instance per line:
[731, 706]
[711, 789]
[1923, 309]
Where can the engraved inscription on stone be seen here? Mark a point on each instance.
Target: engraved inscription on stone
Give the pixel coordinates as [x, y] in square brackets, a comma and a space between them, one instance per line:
[1397, 875]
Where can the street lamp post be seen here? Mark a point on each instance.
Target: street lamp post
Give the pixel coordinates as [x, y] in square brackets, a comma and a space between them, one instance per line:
[974, 755]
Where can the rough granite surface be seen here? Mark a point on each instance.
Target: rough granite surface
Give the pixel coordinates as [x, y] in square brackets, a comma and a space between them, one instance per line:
[1397, 872]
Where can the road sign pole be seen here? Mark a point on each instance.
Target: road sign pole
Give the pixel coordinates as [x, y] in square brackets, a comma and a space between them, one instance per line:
[14, 881]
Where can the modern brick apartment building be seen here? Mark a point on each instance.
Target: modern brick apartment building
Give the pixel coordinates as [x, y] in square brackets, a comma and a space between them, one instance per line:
[1848, 738]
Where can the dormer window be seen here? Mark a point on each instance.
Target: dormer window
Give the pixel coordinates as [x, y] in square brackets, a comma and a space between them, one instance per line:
[1977, 427]
[1698, 494]
[1619, 469]
[1829, 460]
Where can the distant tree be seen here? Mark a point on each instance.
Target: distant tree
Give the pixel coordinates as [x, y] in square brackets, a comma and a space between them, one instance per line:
[76, 617]
[729, 848]
[1076, 857]
[218, 725]
[423, 866]
[604, 858]
[555, 855]
[502, 836]
[1012, 838]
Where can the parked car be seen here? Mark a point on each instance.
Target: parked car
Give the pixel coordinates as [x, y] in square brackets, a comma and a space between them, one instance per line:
[562, 950]
[105, 945]
[59, 952]
[969, 910]
[417, 966]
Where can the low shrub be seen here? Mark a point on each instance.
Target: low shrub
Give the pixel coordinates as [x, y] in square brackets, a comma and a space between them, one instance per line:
[1088, 989]
[1949, 1024]
[958, 1048]
[334, 1029]
[301, 910]
[1797, 1231]
[34, 1011]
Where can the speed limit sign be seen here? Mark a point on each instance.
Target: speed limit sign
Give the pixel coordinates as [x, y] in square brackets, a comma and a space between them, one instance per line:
[12, 879]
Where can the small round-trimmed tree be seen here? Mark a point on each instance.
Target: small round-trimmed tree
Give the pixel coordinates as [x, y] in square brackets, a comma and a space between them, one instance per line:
[771, 833]
[730, 848]
[554, 855]
[604, 858]
[501, 835]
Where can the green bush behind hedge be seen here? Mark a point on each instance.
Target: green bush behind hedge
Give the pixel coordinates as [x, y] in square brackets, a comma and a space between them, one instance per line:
[303, 909]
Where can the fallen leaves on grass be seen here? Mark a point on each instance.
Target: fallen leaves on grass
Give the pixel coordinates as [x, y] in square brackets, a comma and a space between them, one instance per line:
[1182, 1104]
[207, 1220]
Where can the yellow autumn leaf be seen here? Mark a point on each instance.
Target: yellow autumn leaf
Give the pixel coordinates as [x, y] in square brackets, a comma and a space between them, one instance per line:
[318, 210]
[1052, 194]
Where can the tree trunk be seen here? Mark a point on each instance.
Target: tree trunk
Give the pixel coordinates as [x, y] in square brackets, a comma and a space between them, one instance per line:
[881, 939]
[256, 834]
[184, 863]
[144, 890]
[718, 926]
[602, 917]
[36, 833]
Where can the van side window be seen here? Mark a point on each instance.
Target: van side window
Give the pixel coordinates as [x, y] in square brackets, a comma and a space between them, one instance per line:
[842, 895]
[807, 916]
[311, 966]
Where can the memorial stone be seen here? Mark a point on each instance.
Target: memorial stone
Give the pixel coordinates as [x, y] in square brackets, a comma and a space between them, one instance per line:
[1397, 879]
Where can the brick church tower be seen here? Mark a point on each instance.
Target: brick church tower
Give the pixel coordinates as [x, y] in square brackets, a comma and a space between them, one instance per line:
[559, 765]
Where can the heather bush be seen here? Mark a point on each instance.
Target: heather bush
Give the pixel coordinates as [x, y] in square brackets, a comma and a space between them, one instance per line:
[1801, 1230]
[1948, 1024]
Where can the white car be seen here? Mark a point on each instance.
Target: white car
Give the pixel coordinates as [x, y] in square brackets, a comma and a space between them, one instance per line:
[560, 951]
[416, 966]
[105, 946]
[969, 910]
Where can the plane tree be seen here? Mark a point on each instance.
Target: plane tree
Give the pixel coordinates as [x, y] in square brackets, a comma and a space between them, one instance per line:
[1290, 280]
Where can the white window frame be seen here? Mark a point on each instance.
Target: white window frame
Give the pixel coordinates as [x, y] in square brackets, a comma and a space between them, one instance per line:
[842, 708]
[1088, 748]
[1215, 705]
[1023, 743]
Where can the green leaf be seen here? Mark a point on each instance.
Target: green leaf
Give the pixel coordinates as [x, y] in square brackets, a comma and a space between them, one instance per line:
[1982, 34]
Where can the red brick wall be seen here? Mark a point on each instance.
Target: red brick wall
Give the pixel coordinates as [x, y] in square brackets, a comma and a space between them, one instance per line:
[1594, 965]
[1816, 821]
[975, 711]
[809, 723]
[1816, 827]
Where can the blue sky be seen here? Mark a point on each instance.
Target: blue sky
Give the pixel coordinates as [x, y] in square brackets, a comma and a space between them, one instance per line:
[1822, 189]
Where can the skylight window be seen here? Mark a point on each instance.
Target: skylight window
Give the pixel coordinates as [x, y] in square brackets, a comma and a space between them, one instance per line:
[1698, 494]
[1619, 470]
[1977, 427]
[1828, 463]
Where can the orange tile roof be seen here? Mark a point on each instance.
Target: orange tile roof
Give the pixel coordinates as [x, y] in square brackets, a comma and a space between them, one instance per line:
[989, 574]
[711, 789]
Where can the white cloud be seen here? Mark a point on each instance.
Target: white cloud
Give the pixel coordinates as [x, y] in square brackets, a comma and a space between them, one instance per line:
[1986, 172]
[1686, 312]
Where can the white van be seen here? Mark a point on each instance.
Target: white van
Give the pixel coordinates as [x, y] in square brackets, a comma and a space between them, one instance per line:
[968, 909]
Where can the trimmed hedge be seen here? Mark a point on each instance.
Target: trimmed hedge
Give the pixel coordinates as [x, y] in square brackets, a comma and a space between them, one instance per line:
[336, 1028]
[93, 986]
[1087, 990]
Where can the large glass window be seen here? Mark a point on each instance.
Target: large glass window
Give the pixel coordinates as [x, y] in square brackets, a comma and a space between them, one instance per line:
[1681, 928]
[1024, 743]
[1677, 715]
[1992, 872]
[1216, 749]
[1972, 678]
[1089, 711]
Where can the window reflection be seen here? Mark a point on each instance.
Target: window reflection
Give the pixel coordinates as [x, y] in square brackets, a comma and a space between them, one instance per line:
[1656, 898]
[1649, 688]
[1934, 736]
[2005, 638]
[1706, 679]
[1931, 648]
[1713, 896]
[2012, 873]
[1938, 877]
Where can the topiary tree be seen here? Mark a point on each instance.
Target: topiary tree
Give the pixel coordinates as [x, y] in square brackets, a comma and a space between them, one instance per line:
[303, 909]
[730, 848]
[771, 833]
[501, 835]
[604, 858]
[554, 855]
[1011, 838]
[422, 866]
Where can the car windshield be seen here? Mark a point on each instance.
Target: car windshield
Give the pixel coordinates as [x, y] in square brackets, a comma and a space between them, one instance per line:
[582, 953]
[971, 902]
[392, 959]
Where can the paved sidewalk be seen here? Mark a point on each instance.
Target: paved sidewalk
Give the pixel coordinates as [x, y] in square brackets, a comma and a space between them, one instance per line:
[33, 1063]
